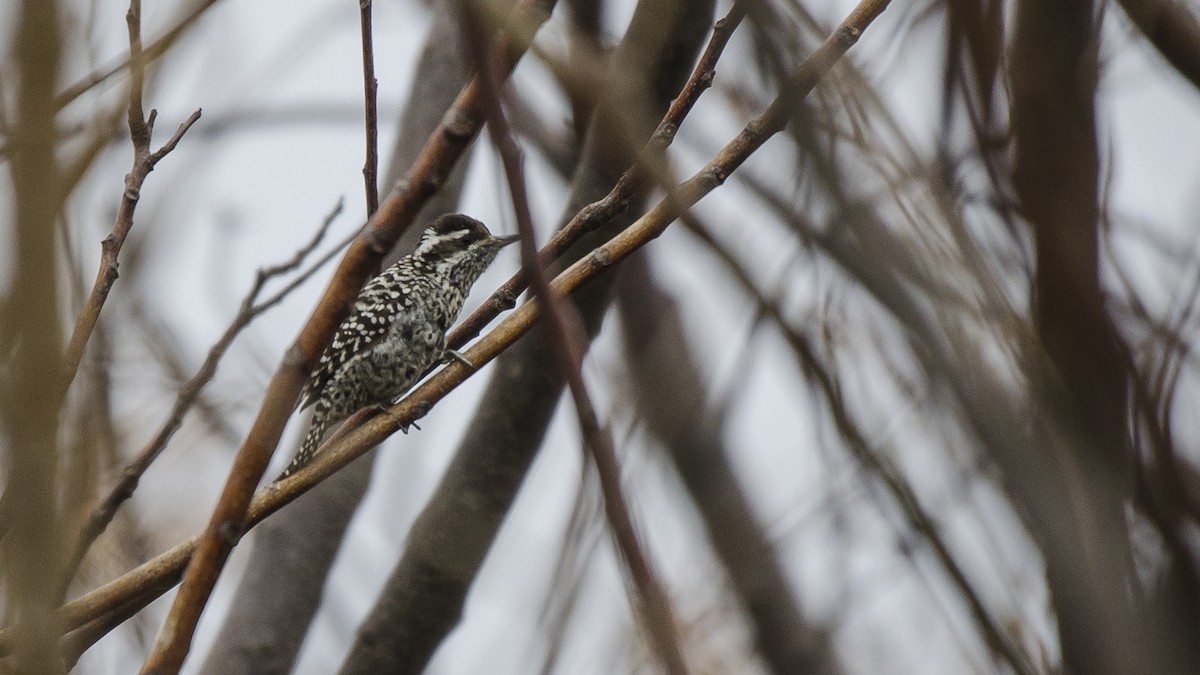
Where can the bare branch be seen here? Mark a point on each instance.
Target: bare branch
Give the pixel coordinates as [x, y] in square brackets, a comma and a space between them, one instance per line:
[1173, 30]
[901, 491]
[283, 584]
[134, 590]
[140, 130]
[671, 397]
[371, 107]
[250, 309]
[155, 50]
[596, 214]
[384, 227]
[565, 329]
[31, 397]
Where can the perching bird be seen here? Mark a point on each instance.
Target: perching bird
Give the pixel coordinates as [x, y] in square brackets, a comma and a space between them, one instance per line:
[396, 330]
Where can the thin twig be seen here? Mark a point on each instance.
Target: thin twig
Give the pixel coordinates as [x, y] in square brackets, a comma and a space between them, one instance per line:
[140, 130]
[155, 50]
[250, 309]
[395, 214]
[566, 329]
[918, 518]
[124, 596]
[596, 214]
[371, 107]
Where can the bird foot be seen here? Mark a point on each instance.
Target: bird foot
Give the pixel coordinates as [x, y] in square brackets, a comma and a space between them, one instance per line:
[385, 407]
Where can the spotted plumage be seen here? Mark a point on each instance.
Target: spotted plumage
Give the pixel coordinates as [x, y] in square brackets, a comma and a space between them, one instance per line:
[397, 328]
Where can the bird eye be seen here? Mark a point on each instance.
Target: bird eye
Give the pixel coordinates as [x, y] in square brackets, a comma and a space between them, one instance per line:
[468, 240]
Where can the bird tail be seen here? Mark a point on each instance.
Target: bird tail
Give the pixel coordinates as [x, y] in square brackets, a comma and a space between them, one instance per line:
[312, 441]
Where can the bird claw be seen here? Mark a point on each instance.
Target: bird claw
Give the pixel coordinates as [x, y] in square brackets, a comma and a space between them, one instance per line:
[385, 407]
[455, 355]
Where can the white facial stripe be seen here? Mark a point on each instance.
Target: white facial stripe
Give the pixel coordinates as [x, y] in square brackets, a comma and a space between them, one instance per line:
[427, 241]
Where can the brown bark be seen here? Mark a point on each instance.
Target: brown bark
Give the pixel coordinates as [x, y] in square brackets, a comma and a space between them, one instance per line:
[281, 589]
[423, 598]
[1076, 493]
[429, 173]
[31, 391]
[670, 394]
[1172, 28]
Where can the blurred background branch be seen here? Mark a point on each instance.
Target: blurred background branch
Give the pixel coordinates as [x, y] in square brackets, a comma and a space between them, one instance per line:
[908, 390]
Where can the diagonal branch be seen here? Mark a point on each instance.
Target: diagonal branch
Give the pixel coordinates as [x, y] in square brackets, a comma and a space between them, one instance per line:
[140, 131]
[280, 590]
[565, 329]
[596, 214]
[155, 50]
[383, 229]
[1174, 31]
[250, 309]
[902, 493]
[126, 595]
[673, 399]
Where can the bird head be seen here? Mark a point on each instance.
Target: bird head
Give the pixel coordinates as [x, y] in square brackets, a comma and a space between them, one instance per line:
[456, 244]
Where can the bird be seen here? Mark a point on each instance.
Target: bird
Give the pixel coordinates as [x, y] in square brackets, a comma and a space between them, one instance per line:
[396, 330]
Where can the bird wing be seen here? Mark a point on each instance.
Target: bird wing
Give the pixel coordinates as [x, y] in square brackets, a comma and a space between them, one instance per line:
[381, 303]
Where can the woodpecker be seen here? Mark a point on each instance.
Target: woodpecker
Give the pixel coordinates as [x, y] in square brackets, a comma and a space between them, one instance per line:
[396, 330]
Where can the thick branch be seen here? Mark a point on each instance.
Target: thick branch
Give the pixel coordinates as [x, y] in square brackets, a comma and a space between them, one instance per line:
[32, 397]
[394, 215]
[1173, 30]
[671, 396]
[281, 588]
[137, 588]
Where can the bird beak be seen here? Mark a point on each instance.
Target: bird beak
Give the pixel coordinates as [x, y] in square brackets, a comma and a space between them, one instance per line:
[501, 242]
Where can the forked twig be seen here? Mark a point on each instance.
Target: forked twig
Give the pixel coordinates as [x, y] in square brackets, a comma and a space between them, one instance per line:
[596, 214]
[395, 214]
[124, 596]
[140, 130]
[250, 309]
